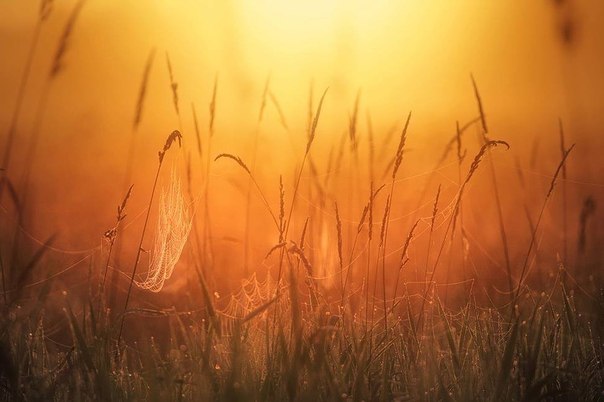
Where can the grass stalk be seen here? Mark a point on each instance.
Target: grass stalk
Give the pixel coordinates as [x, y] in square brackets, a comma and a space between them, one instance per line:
[525, 264]
[23, 81]
[174, 136]
[500, 218]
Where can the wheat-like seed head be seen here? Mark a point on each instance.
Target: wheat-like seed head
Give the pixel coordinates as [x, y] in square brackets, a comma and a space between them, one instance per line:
[558, 170]
[483, 119]
[480, 154]
[281, 209]
[212, 106]
[562, 146]
[303, 235]
[297, 251]
[111, 234]
[435, 208]
[401, 147]
[370, 217]
[142, 92]
[385, 220]
[173, 85]
[404, 258]
[352, 124]
[460, 154]
[315, 122]
[236, 159]
[363, 217]
[57, 62]
[174, 136]
[473, 167]
[196, 125]
[339, 230]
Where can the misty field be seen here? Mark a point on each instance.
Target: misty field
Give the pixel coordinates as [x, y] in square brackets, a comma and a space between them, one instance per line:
[278, 249]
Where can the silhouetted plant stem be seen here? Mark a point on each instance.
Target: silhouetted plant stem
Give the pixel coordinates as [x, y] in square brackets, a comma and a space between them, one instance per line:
[12, 128]
[173, 137]
[534, 234]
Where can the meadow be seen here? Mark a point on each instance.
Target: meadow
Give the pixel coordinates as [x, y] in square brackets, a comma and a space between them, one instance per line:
[312, 257]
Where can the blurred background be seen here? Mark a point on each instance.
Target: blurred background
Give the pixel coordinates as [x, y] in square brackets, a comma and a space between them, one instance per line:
[534, 63]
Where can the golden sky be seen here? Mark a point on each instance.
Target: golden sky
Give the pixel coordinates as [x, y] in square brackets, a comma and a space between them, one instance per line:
[401, 55]
[407, 54]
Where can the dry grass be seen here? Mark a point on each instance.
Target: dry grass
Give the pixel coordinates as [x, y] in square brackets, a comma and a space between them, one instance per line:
[331, 311]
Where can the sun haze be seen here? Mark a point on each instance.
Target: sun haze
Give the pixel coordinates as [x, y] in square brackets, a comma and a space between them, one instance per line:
[312, 196]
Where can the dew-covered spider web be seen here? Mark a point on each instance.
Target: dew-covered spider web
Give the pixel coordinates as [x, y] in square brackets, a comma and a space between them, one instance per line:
[252, 294]
[173, 227]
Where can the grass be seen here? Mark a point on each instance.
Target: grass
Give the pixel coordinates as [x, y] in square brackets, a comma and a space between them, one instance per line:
[472, 354]
[296, 340]
[334, 310]
[174, 136]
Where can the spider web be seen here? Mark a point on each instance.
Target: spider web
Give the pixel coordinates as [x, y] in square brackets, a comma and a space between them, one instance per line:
[173, 228]
[252, 294]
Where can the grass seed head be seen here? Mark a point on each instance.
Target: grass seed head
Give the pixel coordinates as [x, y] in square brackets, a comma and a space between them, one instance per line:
[315, 122]
[142, 92]
[339, 230]
[435, 208]
[483, 119]
[480, 154]
[236, 159]
[558, 170]
[174, 136]
[401, 148]
[212, 106]
[196, 125]
[173, 85]
[57, 63]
